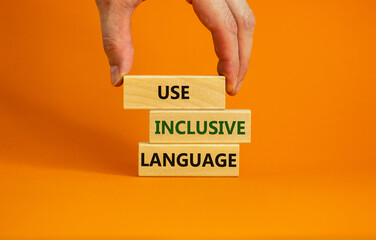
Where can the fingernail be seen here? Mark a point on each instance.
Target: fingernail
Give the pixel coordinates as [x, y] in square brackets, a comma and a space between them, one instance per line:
[115, 75]
[230, 88]
[238, 87]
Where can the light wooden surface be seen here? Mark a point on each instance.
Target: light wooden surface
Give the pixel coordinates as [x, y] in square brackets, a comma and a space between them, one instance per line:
[188, 126]
[203, 92]
[227, 164]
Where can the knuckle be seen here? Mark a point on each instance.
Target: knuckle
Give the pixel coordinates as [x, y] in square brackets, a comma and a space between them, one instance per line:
[110, 44]
[118, 4]
[104, 4]
[248, 19]
[129, 3]
[230, 23]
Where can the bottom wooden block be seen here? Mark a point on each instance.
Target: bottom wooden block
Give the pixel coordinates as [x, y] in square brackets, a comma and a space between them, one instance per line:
[188, 159]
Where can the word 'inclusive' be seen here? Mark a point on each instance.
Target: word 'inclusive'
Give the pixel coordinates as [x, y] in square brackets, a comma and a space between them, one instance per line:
[200, 127]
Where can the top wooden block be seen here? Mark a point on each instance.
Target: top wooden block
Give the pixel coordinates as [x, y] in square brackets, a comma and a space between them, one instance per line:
[174, 92]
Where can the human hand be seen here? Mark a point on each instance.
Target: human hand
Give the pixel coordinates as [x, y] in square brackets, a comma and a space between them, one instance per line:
[231, 23]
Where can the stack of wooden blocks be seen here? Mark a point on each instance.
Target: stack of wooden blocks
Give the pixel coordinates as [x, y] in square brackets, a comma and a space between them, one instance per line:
[190, 132]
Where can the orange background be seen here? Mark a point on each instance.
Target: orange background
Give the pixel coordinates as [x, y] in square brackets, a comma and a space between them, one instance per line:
[68, 151]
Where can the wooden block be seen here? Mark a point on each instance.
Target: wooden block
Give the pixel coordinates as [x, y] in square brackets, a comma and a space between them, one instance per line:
[174, 92]
[188, 159]
[200, 126]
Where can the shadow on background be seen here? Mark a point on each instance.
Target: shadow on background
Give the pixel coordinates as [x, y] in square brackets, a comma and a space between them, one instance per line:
[59, 142]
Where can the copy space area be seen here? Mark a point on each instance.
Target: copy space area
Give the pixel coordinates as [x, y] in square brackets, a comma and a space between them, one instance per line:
[69, 151]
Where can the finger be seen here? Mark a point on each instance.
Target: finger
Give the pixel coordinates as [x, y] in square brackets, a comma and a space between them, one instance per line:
[115, 18]
[217, 17]
[245, 21]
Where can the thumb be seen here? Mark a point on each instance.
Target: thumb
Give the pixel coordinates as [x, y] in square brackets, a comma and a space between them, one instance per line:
[115, 18]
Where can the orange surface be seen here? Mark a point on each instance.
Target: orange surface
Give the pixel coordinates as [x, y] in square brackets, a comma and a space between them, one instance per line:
[68, 150]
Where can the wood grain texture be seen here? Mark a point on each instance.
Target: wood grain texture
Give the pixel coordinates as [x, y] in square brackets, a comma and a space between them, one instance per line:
[205, 92]
[200, 126]
[224, 159]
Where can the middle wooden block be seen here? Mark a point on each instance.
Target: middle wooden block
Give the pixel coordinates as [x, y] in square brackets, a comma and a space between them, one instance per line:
[200, 126]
